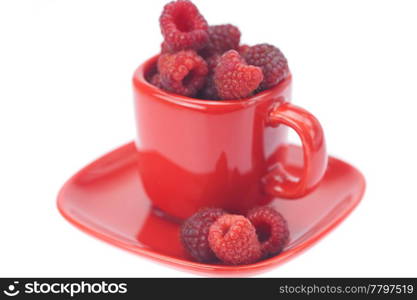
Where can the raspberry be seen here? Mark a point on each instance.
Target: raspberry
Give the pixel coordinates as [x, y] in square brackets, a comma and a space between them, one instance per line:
[183, 27]
[233, 239]
[243, 49]
[234, 79]
[222, 38]
[153, 69]
[156, 80]
[165, 48]
[212, 62]
[273, 63]
[183, 72]
[271, 228]
[194, 233]
[209, 91]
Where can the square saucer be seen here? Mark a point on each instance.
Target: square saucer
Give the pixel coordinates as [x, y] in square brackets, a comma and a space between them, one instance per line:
[106, 199]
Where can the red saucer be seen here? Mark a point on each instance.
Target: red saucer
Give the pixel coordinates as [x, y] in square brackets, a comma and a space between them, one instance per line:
[106, 200]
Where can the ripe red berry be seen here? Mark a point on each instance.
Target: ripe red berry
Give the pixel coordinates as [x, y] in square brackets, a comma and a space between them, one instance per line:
[234, 79]
[222, 38]
[209, 91]
[212, 62]
[165, 48]
[183, 72]
[183, 27]
[194, 233]
[242, 50]
[273, 63]
[156, 80]
[271, 228]
[233, 239]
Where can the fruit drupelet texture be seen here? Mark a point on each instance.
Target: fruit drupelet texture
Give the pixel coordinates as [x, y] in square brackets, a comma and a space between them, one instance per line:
[183, 72]
[183, 27]
[233, 240]
[194, 233]
[270, 59]
[221, 39]
[234, 78]
[235, 71]
[271, 229]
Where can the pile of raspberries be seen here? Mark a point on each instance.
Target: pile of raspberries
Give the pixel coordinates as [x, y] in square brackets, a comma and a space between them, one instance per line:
[212, 234]
[208, 62]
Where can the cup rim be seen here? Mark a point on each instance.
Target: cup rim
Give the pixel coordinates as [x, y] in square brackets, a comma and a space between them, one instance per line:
[139, 81]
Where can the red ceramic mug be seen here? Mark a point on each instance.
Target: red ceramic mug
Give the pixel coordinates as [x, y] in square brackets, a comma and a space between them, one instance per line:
[198, 153]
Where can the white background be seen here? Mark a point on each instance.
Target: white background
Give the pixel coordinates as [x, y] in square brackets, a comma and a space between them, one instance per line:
[65, 99]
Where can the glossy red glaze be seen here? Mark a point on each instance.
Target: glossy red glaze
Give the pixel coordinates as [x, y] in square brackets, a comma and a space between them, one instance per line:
[198, 153]
[315, 156]
[107, 199]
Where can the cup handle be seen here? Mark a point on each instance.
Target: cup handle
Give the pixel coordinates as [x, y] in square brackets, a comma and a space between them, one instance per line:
[311, 134]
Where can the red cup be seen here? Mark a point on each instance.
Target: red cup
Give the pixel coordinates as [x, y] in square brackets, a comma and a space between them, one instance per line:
[196, 153]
